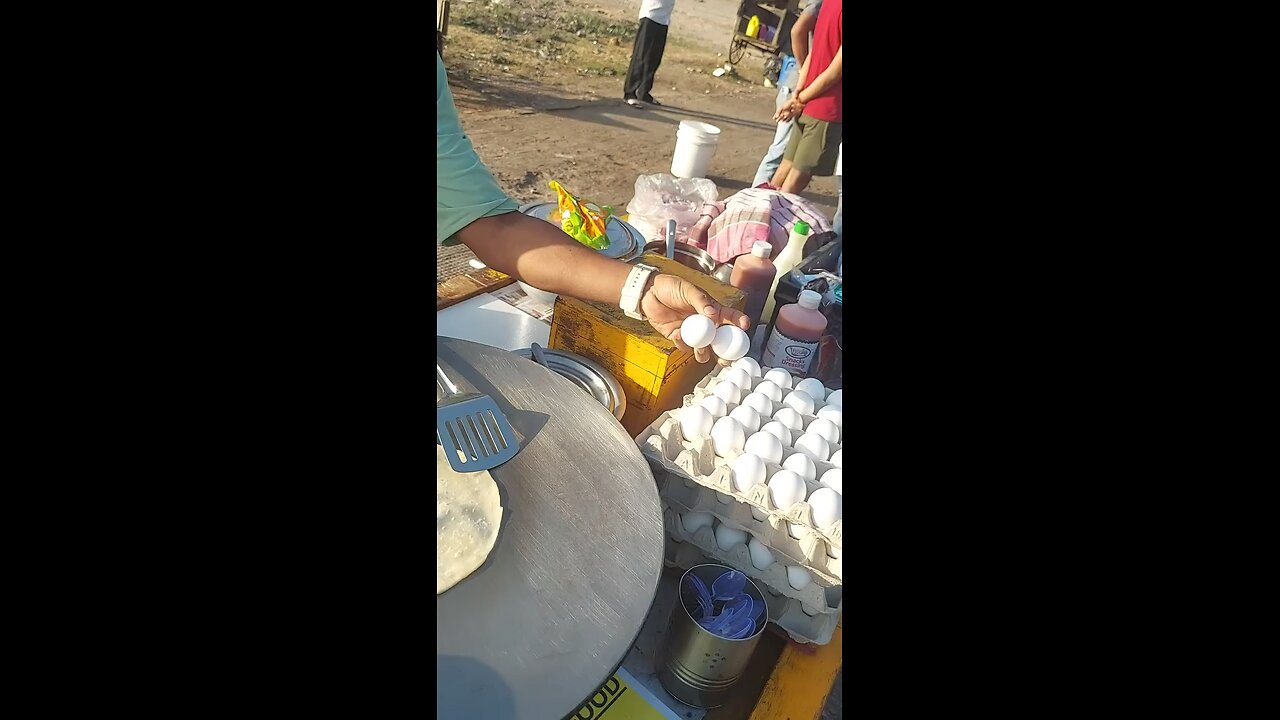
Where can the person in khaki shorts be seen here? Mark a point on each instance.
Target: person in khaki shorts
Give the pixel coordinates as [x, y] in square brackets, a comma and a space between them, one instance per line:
[818, 106]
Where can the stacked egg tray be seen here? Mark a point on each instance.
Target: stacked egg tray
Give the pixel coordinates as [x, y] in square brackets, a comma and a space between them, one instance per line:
[787, 613]
[664, 445]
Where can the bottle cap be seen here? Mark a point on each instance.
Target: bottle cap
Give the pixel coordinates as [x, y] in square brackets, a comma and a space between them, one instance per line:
[810, 299]
[761, 249]
[800, 228]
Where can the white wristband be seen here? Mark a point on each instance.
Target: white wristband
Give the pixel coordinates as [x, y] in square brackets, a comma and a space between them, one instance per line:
[633, 291]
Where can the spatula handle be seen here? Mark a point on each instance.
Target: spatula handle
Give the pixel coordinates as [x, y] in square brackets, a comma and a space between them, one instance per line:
[445, 382]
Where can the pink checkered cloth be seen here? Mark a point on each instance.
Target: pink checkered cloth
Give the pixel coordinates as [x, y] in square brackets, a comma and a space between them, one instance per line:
[728, 228]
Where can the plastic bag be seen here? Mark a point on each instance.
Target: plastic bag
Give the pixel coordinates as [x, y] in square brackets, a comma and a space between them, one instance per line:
[663, 197]
[580, 221]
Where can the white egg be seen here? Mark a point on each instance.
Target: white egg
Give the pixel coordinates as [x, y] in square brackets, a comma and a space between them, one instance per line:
[766, 446]
[786, 489]
[778, 430]
[737, 376]
[727, 436]
[759, 403]
[813, 388]
[779, 377]
[749, 364]
[749, 418]
[695, 521]
[761, 556]
[827, 429]
[714, 405]
[727, 537]
[828, 506]
[832, 479]
[770, 390]
[798, 577]
[697, 331]
[728, 392]
[836, 399]
[802, 465]
[833, 414]
[815, 446]
[799, 401]
[748, 471]
[838, 458]
[695, 421]
[789, 417]
[730, 343]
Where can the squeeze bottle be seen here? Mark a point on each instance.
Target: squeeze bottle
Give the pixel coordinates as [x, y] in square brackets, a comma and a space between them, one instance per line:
[794, 341]
[754, 275]
[790, 257]
[753, 27]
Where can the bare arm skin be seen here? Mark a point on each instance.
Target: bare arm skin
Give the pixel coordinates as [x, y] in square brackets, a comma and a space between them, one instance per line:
[800, 36]
[540, 254]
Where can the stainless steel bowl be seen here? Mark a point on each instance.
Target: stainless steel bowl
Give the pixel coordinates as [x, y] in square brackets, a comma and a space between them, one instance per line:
[690, 257]
[586, 374]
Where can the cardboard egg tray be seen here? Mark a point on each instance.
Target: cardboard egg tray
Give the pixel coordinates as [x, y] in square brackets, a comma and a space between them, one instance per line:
[809, 551]
[787, 613]
[666, 448]
[818, 597]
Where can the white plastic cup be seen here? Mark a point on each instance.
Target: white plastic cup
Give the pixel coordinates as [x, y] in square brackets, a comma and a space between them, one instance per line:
[695, 146]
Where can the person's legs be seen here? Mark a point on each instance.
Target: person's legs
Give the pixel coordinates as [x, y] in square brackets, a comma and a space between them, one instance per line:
[788, 156]
[653, 59]
[837, 223]
[635, 71]
[773, 156]
[815, 152]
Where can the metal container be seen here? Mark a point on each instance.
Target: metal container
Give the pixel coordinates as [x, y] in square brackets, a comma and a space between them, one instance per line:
[586, 374]
[696, 667]
[685, 254]
[624, 240]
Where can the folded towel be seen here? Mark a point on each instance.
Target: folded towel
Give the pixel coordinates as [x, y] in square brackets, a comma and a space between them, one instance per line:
[753, 215]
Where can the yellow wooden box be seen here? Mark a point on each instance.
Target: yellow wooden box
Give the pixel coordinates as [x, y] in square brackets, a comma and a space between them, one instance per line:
[654, 375]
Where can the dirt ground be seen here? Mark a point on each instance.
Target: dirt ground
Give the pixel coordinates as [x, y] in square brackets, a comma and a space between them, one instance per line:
[538, 85]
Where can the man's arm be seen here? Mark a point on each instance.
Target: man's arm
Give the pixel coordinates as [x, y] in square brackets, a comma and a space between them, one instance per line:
[824, 82]
[800, 34]
[539, 253]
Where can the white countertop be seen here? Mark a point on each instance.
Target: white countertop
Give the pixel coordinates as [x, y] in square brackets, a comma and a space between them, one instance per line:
[488, 320]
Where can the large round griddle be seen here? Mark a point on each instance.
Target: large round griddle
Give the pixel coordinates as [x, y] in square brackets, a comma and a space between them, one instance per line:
[555, 608]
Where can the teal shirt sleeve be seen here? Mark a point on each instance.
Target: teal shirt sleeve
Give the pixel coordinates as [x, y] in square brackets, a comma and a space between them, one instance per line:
[465, 189]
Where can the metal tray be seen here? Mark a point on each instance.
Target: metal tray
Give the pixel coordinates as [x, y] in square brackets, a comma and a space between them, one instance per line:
[586, 374]
[624, 239]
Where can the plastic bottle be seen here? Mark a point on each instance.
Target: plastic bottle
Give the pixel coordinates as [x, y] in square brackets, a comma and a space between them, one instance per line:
[791, 256]
[754, 275]
[794, 341]
[753, 26]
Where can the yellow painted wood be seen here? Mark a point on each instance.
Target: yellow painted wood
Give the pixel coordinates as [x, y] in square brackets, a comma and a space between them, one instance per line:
[654, 375]
[801, 681]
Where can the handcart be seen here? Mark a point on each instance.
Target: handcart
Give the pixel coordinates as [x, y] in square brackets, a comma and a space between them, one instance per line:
[776, 18]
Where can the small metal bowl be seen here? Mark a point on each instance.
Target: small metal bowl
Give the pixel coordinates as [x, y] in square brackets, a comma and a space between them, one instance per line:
[586, 374]
[687, 255]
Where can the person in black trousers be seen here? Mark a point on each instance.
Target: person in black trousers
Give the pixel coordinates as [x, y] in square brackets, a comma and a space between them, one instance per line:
[646, 56]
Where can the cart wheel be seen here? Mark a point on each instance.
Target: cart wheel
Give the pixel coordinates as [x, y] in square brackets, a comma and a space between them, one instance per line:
[737, 49]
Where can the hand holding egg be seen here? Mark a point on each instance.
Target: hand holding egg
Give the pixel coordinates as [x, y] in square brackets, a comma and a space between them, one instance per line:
[730, 343]
[672, 301]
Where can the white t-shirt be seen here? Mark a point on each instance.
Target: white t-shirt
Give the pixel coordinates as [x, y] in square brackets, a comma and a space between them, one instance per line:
[658, 11]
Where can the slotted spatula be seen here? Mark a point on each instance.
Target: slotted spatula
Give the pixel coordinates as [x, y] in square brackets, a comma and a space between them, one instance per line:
[472, 429]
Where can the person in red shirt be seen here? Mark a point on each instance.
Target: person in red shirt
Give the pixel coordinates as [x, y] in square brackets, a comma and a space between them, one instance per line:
[815, 142]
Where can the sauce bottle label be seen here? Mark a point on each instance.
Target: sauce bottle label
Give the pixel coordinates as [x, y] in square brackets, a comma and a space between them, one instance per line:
[784, 351]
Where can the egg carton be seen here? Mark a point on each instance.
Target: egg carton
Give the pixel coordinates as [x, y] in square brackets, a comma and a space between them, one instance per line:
[818, 597]
[664, 445]
[787, 613]
[809, 551]
[707, 386]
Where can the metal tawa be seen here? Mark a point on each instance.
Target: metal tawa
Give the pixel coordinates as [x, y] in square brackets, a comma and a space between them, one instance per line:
[559, 602]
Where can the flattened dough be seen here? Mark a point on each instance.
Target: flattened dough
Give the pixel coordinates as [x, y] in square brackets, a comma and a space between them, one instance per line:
[468, 513]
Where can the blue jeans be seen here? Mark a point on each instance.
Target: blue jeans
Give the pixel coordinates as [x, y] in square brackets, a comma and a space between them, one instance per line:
[838, 223]
[773, 156]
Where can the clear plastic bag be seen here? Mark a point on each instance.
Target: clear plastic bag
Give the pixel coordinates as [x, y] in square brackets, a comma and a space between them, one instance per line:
[663, 197]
